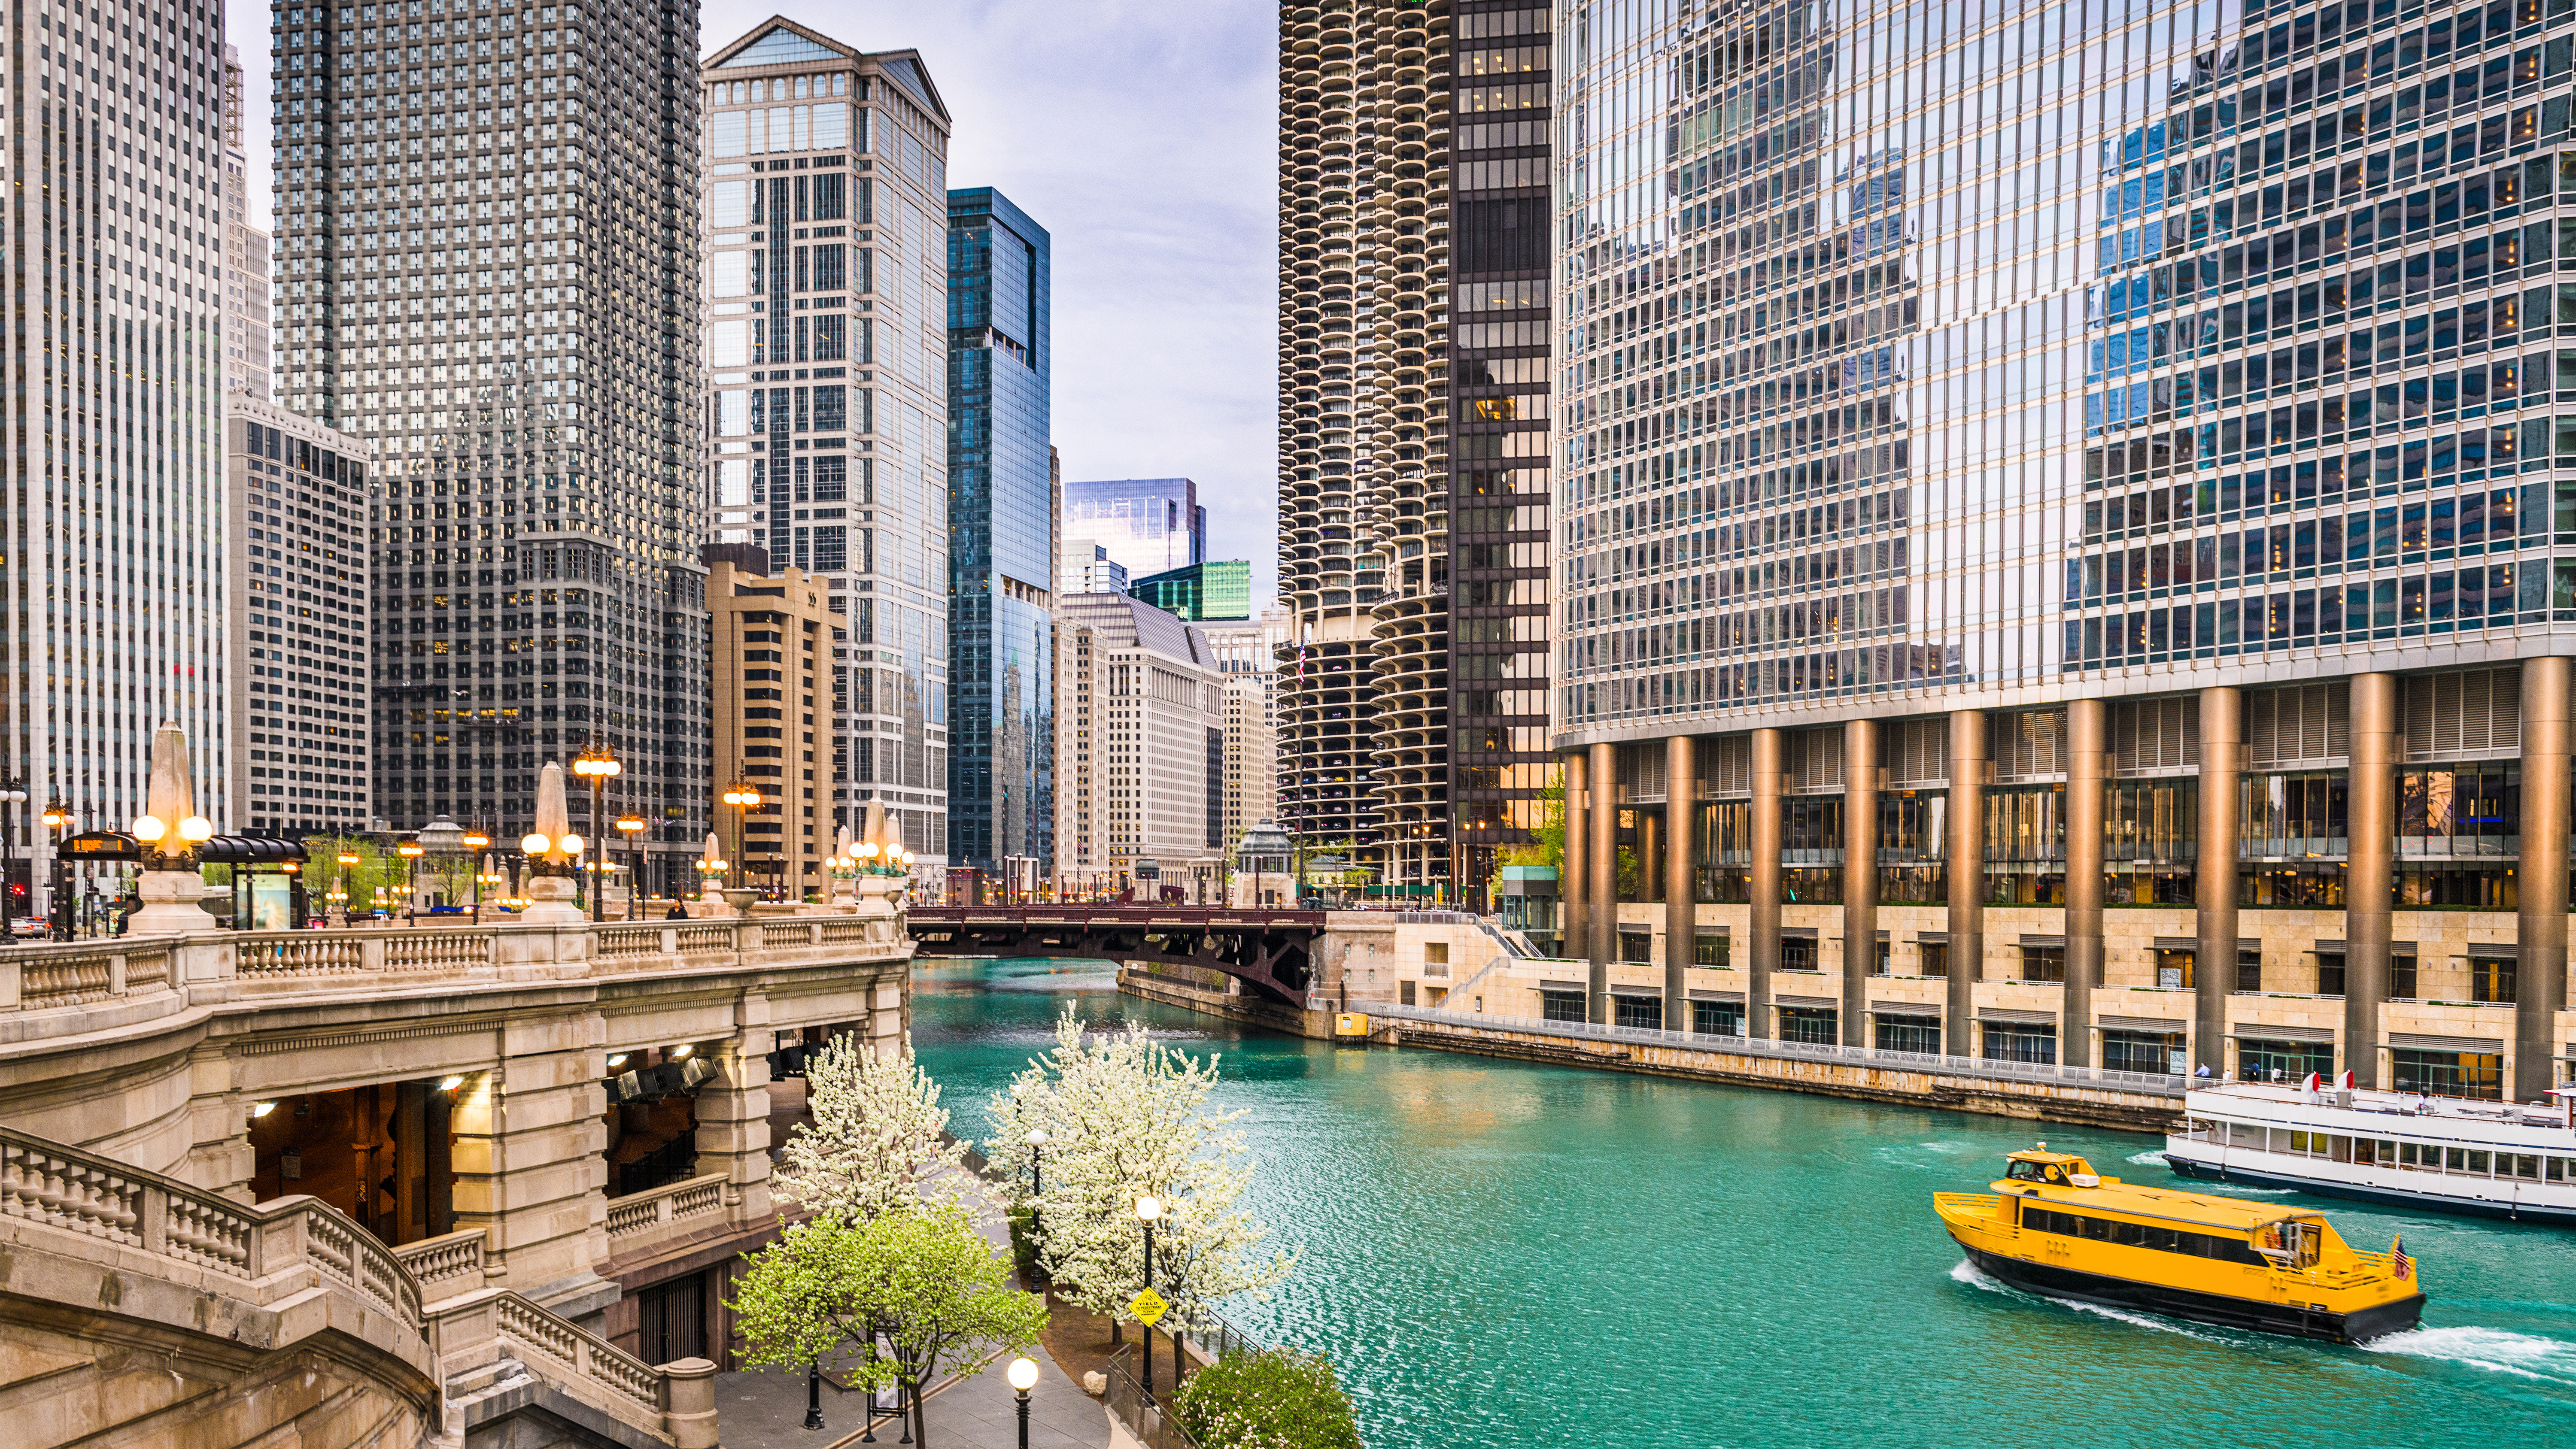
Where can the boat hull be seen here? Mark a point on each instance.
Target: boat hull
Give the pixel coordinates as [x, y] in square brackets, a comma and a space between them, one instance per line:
[2360, 1192]
[2052, 1281]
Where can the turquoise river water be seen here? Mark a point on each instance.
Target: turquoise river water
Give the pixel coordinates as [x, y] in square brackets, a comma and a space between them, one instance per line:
[1495, 1253]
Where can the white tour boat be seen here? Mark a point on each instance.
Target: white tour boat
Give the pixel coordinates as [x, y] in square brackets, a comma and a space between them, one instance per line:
[2495, 1159]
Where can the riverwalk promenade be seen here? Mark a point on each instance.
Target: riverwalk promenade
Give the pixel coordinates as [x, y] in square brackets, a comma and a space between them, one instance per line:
[973, 1409]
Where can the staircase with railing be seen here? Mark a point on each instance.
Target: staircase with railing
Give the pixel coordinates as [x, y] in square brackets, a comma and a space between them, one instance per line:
[284, 1320]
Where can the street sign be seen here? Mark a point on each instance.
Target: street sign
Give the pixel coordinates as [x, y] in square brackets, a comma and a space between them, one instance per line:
[1148, 1307]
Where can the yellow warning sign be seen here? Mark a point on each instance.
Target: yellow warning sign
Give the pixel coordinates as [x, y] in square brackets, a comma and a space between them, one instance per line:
[1148, 1307]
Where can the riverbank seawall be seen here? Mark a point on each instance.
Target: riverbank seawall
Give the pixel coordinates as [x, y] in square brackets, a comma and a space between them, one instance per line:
[1919, 1083]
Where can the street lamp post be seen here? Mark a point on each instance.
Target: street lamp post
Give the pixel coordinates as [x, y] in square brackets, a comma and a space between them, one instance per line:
[348, 860]
[476, 842]
[1147, 1210]
[744, 797]
[631, 826]
[411, 851]
[13, 796]
[599, 767]
[58, 817]
[1024, 1377]
[814, 1394]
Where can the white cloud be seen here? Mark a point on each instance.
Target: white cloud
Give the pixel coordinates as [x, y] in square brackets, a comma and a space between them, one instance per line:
[1142, 136]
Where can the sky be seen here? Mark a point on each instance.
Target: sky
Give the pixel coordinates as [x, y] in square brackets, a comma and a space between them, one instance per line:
[1141, 136]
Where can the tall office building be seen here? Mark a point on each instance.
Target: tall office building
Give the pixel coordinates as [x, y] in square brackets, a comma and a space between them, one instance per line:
[489, 272]
[1413, 387]
[2020, 463]
[295, 546]
[1140, 749]
[1001, 525]
[1146, 525]
[773, 685]
[826, 214]
[245, 256]
[114, 550]
[1247, 655]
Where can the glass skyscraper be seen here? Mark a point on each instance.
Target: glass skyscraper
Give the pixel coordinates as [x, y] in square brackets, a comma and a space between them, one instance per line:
[2026, 459]
[1001, 526]
[826, 421]
[487, 270]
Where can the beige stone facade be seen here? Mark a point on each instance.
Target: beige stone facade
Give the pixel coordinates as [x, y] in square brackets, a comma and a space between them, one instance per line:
[486, 1066]
[771, 661]
[2367, 873]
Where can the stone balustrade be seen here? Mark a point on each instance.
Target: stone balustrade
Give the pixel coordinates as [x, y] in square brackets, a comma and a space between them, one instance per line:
[639, 1214]
[262, 1254]
[161, 1052]
[138, 977]
[448, 1265]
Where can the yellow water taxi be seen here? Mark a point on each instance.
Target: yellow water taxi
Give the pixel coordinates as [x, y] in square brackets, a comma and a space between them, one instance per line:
[2053, 1226]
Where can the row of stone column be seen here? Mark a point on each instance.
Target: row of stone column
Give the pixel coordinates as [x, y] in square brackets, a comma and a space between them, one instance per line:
[2376, 752]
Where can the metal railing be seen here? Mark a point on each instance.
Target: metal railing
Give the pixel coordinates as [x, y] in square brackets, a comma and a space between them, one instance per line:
[1977, 1068]
[1220, 1338]
[1153, 1425]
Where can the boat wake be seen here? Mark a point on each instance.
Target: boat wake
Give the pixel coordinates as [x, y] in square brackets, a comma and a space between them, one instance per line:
[2497, 1350]
[2148, 1159]
[1970, 1274]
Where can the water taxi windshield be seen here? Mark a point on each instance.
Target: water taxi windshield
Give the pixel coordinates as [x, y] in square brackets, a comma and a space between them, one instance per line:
[2291, 1244]
[2022, 1170]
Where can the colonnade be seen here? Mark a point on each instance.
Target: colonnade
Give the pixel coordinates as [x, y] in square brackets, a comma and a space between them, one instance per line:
[2376, 751]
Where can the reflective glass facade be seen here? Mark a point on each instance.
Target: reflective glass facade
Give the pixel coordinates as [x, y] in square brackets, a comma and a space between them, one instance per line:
[1001, 525]
[2115, 445]
[826, 345]
[1922, 348]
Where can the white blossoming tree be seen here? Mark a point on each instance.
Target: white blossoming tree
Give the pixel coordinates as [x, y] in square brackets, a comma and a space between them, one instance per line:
[1126, 1117]
[874, 1144]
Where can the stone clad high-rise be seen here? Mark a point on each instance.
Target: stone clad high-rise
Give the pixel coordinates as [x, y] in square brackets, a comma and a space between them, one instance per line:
[112, 554]
[1413, 417]
[487, 267]
[2055, 531]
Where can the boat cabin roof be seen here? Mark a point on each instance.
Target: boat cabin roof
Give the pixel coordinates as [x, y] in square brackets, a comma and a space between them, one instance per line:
[2228, 1214]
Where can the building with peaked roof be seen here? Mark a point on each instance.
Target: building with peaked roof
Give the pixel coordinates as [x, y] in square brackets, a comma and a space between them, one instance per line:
[825, 210]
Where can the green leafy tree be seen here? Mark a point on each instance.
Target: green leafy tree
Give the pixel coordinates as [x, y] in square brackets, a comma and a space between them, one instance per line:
[1276, 1399]
[883, 1301]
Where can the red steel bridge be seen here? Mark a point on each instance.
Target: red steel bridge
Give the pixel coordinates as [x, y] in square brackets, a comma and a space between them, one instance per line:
[1269, 951]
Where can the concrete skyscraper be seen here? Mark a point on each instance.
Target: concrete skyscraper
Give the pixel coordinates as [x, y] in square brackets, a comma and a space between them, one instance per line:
[245, 256]
[114, 550]
[1413, 432]
[1001, 525]
[488, 269]
[2019, 463]
[826, 339]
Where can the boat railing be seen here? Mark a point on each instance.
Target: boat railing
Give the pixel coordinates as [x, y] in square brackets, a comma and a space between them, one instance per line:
[1984, 1068]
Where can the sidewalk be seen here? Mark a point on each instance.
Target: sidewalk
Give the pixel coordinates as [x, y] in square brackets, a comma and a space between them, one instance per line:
[765, 1408]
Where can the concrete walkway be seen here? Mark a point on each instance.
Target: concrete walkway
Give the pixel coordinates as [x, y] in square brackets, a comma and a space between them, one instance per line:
[765, 1408]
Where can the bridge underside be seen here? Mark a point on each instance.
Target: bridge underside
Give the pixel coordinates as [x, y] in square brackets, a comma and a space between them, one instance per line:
[1274, 960]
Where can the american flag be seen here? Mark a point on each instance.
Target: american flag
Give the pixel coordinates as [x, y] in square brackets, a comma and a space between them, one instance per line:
[2397, 1259]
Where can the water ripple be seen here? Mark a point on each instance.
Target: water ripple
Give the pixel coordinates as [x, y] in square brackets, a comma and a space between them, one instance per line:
[1501, 1254]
